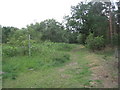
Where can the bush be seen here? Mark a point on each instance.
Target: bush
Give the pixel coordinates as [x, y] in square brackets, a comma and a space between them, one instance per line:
[115, 39]
[90, 41]
[10, 51]
[95, 43]
[99, 42]
[81, 38]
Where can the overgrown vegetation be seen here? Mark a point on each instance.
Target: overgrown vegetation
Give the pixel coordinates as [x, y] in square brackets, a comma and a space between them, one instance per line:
[86, 18]
[47, 44]
[43, 55]
[95, 43]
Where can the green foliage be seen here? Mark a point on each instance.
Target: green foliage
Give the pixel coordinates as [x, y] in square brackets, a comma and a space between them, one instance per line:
[51, 30]
[88, 24]
[99, 42]
[81, 38]
[7, 32]
[48, 29]
[9, 51]
[115, 39]
[90, 41]
[20, 38]
[87, 18]
[73, 37]
[95, 43]
[47, 54]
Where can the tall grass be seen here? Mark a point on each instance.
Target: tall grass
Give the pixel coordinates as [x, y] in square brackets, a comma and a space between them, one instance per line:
[44, 55]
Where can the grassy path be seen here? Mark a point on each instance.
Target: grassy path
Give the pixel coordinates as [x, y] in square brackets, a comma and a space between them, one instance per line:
[83, 70]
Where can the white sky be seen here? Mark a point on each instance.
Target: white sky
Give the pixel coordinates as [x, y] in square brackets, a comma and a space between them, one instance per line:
[19, 13]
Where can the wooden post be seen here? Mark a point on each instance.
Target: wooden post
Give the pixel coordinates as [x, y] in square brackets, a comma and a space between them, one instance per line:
[29, 46]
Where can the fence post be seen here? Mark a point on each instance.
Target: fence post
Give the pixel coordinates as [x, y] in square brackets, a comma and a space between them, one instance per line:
[29, 46]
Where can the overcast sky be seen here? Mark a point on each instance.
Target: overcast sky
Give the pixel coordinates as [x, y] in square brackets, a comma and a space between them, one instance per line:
[19, 13]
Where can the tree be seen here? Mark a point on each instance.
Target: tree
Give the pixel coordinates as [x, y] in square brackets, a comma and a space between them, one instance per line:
[88, 18]
[53, 31]
[7, 32]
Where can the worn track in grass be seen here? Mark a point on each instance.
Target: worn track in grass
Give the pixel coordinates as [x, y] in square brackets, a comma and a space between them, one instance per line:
[84, 70]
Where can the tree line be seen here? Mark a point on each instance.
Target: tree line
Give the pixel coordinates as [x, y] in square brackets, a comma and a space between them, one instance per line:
[94, 24]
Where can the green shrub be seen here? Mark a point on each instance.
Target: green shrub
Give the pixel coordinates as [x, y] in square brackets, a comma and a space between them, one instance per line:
[95, 43]
[99, 42]
[90, 41]
[81, 38]
[115, 39]
[10, 51]
[42, 48]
